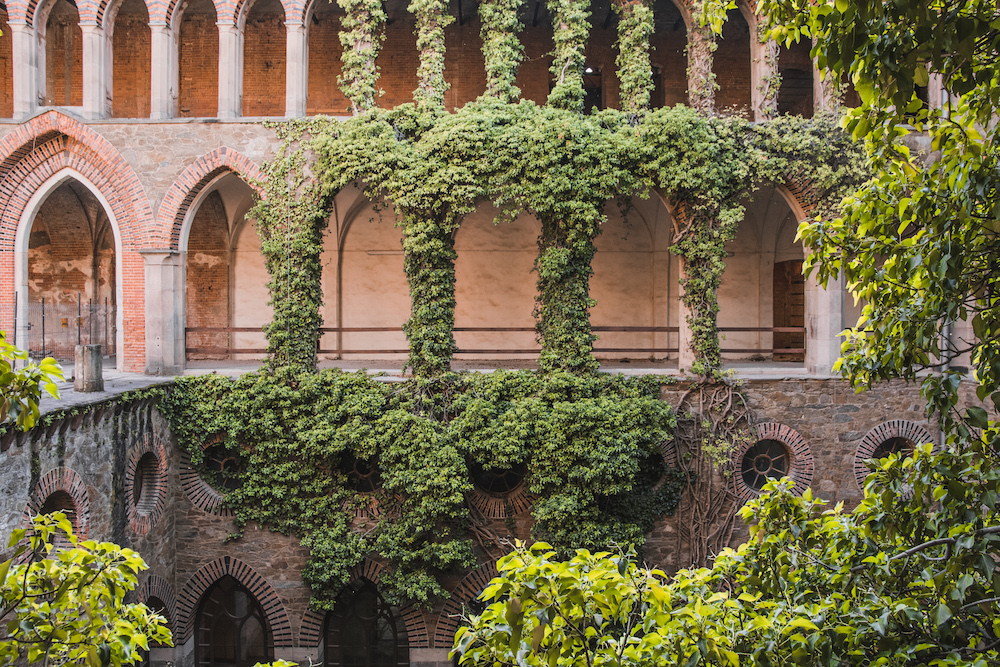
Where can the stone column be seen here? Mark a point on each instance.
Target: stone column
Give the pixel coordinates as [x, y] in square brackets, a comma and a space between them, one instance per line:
[701, 83]
[24, 67]
[230, 70]
[685, 353]
[95, 70]
[164, 311]
[296, 68]
[824, 322]
[763, 71]
[163, 72]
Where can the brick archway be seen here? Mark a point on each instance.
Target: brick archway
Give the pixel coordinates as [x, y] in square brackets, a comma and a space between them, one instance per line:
[311, 631]
[202, 580]
[468, 589]
[68, 481]
[184, 191]
[34, 153]
[160, 588]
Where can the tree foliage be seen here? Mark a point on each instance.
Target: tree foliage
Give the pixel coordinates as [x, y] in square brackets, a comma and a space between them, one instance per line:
[918, 243]
[62, 600]
[21, 388]
[908, 578]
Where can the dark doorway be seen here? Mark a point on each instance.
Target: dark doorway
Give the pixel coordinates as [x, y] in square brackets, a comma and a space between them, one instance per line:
[232, 630]
[364, 631]
[789, 311]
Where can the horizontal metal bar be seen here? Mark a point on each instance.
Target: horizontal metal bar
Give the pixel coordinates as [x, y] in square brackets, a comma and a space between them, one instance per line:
[751, 350]
[224, 350]
[766, 329]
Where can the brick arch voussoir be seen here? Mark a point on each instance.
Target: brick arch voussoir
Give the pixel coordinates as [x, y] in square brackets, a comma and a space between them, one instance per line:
[894, 428]
[44, 145]
[417, 636]
[69, 481]
[159, 587]
[467, 589]
[183, 192]
[208, 574]
[806, 193]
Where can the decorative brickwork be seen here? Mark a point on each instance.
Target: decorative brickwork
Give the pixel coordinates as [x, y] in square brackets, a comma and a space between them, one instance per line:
[36, 151]
[800, 467]
[416, 627]
[501, 506]
[199, 492]
[159, 588]
[182, 194]
[198, 585]
[914, 434]
[145, 505]
[467, 590]
[68, 481]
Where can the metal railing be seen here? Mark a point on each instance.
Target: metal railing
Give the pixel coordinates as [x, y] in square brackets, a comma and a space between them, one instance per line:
[229, 349]
[54, 329]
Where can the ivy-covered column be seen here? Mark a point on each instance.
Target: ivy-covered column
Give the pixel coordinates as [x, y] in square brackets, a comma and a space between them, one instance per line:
[503, 51]
[634, 70]
[828, 92]
[291, 217]
[767, 79]
[432, 19]
[361, 35]
[562, 305]
[701, 80]
[570, 29]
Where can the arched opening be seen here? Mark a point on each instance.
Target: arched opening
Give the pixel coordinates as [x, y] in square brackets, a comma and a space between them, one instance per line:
[61, 501]
[70, 275]
[61, 45]
[198, 61]
[226, 278]
[762, 295]
[634, 284]
[324, 95]
[731, 66]
[668, 56]
[6, 68]
[130, 47]
[367, 297]
[364, 631]
[264, 59]
[795, 95]
[231, 629]
[495, 286]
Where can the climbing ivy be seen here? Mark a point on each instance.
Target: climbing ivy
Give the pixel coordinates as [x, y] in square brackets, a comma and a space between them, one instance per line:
[570, 29]
[432, 19]
[503, 51]
[635, 27]
[361, 36]
[590, 446]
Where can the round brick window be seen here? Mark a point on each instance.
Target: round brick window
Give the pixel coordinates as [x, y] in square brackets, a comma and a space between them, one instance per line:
[363, 475]
[773, 451]
[766, 460]
[499, 493]
[145, 485]
[497, 481]
[898, 437]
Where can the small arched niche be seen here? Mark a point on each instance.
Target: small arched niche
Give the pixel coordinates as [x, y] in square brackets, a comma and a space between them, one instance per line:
[60, 44]
[131, 59]
[731, 66]
[198, 61]
[264, 59]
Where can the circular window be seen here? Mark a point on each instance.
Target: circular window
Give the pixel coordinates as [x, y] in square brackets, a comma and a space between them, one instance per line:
[498, 481]
[146, 476]
[222, 467]
[363, 475]
[765, 460]
[898, 446]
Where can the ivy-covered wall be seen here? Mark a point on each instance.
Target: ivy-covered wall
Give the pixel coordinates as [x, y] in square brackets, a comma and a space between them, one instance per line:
[589, 446]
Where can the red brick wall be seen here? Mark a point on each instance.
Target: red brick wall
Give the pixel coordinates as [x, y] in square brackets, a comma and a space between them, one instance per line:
[795, 96]
[6, 71]
[731, 66]
[324, 95]
[463, 65]
[264, 65]
[669, 56]
[131, 82]
[199, 65]
[533, 76]
[208, 275]
[63, 58]
[398, 62]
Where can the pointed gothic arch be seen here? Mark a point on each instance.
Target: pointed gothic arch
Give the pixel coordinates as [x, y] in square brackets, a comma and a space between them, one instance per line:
[35, 153]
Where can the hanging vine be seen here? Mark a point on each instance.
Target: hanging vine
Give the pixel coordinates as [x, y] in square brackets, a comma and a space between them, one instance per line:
[770, 82]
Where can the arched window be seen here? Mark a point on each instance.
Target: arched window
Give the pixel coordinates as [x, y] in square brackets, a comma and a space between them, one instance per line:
[232, 630]
[364, 631]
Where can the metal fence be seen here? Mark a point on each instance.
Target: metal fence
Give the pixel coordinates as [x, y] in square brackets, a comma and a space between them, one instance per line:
[54, 329]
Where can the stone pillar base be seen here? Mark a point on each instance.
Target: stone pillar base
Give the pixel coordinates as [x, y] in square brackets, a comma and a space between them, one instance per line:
[89, 372]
